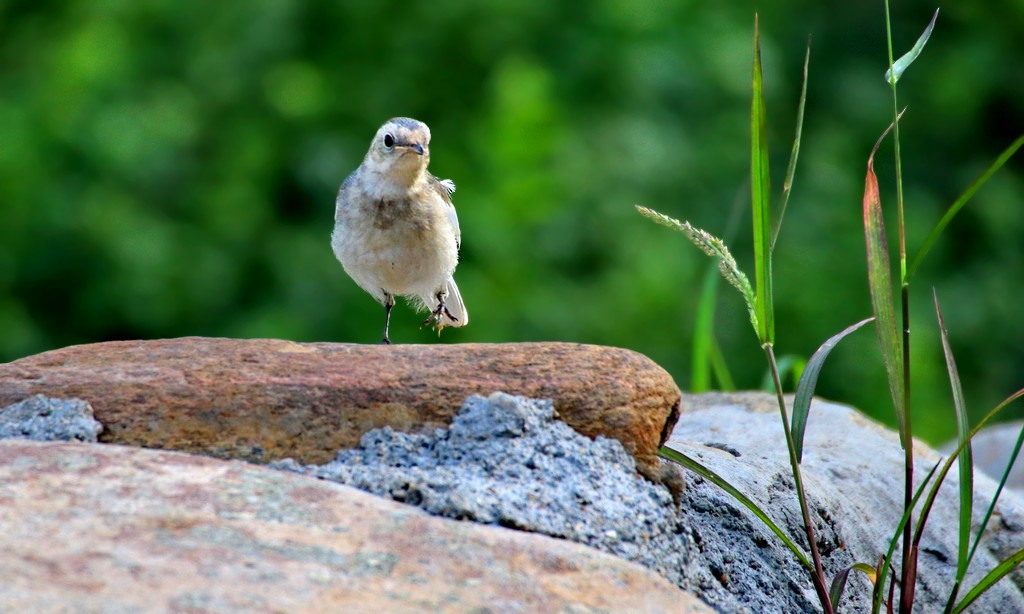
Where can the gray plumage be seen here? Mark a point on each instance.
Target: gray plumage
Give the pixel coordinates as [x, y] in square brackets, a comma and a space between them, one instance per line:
[396, 232]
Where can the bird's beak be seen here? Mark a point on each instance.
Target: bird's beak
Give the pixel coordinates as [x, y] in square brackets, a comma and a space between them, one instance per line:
[414, 147]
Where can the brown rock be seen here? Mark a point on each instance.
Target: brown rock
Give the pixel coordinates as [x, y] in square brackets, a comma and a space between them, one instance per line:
[265, 399]
[107, 528]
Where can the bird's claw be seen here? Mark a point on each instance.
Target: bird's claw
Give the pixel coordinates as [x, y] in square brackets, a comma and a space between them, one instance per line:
[435, 317]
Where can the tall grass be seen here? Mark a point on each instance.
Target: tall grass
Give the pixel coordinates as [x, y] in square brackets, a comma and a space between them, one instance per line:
[894, 342]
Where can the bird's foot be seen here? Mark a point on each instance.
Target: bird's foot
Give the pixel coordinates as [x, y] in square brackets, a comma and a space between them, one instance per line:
[435, 317]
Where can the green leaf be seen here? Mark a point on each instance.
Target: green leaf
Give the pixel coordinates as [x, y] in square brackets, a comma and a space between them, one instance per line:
[714, 478]
[991, 507]
[878, 583]
[990, 578]
[704, 333]
[761, 196]
[839, 582]
[720, 368]
[867, 570]
[808, 382]
[880, 284]
[961, 201]
[835, 592]
[886, 561]
[896, 70]
[966, 458]
[930, 500]
[787, 187]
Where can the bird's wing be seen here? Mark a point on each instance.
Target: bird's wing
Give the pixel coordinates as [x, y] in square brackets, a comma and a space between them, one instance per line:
[445, 188]
[349, 181]
[344, 193]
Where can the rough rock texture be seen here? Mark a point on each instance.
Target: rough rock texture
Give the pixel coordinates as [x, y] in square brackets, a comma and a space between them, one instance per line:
[44, 419]
[507, 460]
[114, 529]
[262, 399]
[503, 461]
[853, 472]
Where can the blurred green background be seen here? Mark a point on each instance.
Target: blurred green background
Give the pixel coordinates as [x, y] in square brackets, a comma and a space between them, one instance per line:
[169, 168]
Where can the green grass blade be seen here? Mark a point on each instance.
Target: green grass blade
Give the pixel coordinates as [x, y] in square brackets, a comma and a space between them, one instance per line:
[704, 333]
[883, 569]
[876, 586]
[961, 201]
[926, 508]
[787, 187]
[896, 71]
[719, 367]
[761, 196]
[880, 284]
[990, 579]
[808, 382]
[714, 478]
[966, 459]
[866, 569]
[999, 491]
[988, 514]
[835, 592]
[839, 582]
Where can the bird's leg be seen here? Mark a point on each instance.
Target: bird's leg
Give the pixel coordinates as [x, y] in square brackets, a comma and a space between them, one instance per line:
[441, 308]
[389, 302]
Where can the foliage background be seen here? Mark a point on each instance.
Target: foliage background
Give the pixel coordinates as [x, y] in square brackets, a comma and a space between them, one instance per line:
[169, 168]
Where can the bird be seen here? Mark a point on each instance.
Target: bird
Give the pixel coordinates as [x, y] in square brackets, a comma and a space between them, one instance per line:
[396, 232]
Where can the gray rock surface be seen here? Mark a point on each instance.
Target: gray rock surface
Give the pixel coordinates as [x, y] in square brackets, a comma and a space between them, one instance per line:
[508, 461]
[41, 418]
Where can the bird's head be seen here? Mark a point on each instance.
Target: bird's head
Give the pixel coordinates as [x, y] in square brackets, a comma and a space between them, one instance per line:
[401, 148]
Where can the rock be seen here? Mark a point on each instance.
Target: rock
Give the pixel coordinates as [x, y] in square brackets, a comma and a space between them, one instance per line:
[504, 461]
[507, 461]
[108, 528]
[853, 473]
[203, 529]
[41, 418]
[263, 399]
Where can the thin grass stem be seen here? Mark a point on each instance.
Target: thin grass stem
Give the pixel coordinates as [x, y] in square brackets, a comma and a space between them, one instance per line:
[908, 576]
[818, 574]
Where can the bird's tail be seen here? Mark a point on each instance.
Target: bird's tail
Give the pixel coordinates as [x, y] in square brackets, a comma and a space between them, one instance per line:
[455, 307]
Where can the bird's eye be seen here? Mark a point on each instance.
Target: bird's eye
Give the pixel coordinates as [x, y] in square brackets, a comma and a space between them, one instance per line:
[389, 141]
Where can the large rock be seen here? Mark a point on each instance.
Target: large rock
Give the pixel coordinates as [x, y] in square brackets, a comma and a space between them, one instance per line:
[853, 473]
[263, 399]
[108, 528]
[506, 460]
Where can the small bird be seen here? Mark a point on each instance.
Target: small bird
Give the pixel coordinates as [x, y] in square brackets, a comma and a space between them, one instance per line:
[395, 228]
